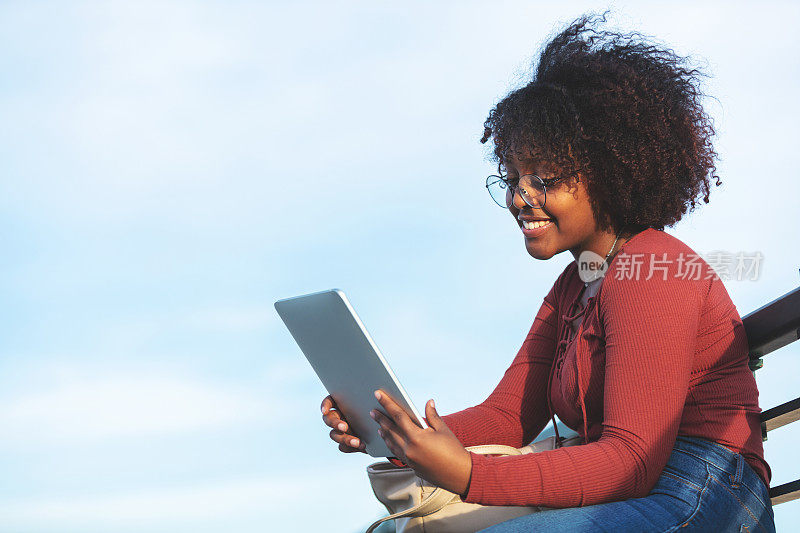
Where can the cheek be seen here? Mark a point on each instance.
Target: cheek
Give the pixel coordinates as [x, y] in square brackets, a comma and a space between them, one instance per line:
[570, 208]
[583, 213]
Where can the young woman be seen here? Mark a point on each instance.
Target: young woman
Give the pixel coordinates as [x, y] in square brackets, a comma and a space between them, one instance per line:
[646, 357]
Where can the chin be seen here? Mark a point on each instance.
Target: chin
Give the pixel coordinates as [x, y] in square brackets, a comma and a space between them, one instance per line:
[538, 252]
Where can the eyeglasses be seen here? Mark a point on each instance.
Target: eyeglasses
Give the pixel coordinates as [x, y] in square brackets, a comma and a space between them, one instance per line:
[531, 187]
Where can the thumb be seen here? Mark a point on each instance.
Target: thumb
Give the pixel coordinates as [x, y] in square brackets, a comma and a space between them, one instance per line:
[434, 420]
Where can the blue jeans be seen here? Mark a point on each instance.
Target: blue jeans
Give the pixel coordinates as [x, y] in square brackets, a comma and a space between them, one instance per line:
[703, 487]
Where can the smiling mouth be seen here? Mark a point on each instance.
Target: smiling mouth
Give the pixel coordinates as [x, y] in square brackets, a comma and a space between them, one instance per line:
[536, 224]
[534, 230]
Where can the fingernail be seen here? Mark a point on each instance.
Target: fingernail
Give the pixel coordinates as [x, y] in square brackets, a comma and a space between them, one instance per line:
[323, 410]
[342, 426]
[373, 414]
[354, 443]
[380, 432]
[378, 394]
[433, 405]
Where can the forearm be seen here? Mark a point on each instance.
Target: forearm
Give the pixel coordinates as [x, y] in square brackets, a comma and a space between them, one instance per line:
[489, 423]
[607, 470]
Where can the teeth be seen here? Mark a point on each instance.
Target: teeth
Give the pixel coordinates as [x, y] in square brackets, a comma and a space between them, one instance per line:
[534, 225]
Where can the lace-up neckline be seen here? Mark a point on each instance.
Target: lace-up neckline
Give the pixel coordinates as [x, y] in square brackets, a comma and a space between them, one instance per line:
[568, 334]
[579, 306]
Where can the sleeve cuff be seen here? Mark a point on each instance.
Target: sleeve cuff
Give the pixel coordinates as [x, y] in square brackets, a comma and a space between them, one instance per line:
[475, 486]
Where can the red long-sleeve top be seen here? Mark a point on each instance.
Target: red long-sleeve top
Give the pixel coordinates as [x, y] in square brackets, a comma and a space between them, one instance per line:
[661, 352]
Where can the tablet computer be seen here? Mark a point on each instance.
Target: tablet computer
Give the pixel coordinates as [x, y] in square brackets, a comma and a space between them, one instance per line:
[346, 360]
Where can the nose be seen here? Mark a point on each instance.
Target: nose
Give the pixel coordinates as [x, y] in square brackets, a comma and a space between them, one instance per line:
[519, 203]
[516, 199]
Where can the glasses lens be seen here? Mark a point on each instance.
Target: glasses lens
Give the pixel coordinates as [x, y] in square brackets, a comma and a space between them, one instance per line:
[498, 189]
[533, 190]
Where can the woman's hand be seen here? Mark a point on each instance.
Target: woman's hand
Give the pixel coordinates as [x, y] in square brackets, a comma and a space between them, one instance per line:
[434, 453]
[332, 417]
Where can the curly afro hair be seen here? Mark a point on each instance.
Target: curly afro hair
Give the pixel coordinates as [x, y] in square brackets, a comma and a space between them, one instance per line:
[623, 113]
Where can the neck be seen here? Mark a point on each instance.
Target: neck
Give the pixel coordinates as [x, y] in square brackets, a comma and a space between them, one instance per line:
[601, 244]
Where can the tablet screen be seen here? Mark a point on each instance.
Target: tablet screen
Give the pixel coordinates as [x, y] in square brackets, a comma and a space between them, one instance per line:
[346, 360]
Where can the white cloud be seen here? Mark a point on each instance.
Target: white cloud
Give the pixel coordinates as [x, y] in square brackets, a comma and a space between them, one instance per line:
[234, 318]
[219, 506]
[196, 502]
[89, 408]
[241, 318]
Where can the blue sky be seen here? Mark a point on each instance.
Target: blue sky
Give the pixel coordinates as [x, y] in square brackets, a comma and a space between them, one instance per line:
[170, 169]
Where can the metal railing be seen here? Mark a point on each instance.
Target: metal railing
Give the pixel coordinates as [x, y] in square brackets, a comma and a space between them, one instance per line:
[769, 328]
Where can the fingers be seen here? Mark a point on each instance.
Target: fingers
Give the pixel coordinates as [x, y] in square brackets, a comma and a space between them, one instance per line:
[387, 425]
[396, 413]
[389, 432]
[391, 442]
[347, 443]
[349, 449]
[434, 420]
[331, 415]
[334, 420]
[327, 404]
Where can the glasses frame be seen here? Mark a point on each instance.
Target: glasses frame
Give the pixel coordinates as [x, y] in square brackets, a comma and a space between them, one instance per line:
[544, 183]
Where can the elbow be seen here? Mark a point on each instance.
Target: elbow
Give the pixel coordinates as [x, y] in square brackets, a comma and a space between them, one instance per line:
[630, 483]
[633, 473]
[641, 489]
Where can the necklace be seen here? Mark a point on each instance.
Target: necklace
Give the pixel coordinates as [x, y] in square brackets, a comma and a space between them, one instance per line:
[586, 283]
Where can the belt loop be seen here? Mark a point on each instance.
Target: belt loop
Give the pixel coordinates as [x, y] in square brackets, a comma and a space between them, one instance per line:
[737, 479]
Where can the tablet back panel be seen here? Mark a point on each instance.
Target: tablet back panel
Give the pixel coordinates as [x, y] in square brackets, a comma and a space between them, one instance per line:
[345, 358]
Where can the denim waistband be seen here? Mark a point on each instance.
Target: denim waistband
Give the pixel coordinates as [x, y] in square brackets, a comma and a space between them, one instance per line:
[711, 452]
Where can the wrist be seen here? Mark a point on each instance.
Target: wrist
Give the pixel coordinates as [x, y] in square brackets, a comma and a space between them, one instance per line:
[465, 491]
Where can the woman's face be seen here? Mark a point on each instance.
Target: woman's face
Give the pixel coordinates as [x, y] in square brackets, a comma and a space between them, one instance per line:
[570, 222]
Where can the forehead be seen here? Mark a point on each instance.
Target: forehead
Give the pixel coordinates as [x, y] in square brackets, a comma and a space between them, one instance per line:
[525, 164]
